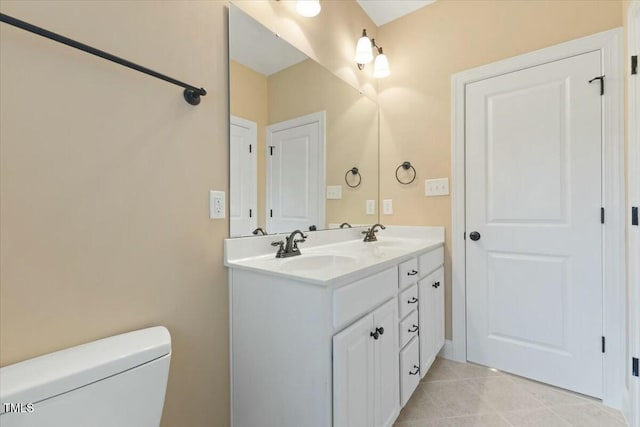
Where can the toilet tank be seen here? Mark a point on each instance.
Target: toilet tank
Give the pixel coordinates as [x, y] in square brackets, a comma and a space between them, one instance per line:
[117, 381]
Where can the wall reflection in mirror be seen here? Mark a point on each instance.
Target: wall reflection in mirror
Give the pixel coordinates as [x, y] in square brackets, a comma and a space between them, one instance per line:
[296, 134]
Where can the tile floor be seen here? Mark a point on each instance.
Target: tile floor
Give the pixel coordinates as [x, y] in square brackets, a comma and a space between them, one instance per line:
[461, 394]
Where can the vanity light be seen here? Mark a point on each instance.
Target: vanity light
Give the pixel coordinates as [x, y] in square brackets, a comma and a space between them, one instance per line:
[364, 49]
[308, 8]
[364, 55]
[381, 65]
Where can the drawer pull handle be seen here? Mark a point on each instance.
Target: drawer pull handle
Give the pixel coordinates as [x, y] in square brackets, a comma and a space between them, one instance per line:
[413, 300]
[412, 273]
[436, 285]
[380, 330]
[417, 369]
[414, 328]
[374, 334]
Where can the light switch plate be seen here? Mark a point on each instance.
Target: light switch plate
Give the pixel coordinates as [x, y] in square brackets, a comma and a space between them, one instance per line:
[371, 207]
[436, 187]
[387, 207]
[216, 204]
[334, 192]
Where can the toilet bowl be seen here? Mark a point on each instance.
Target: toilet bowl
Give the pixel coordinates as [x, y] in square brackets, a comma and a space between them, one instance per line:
[116, 381]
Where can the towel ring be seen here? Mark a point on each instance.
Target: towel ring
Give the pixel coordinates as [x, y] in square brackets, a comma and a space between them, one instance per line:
[353, 171]
[406, 166]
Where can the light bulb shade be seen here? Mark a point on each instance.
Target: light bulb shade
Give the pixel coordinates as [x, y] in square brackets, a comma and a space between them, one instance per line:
[381, 66]
[364, 51]
[308, 8]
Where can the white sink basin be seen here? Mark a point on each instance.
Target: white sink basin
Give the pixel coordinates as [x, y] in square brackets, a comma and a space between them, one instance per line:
[317, 262]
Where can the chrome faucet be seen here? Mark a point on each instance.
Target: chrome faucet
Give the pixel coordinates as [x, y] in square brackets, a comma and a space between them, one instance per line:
[259, 231]
[370, 234]
[291, 247]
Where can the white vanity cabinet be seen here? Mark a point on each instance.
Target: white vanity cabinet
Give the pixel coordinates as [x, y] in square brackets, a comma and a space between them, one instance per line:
[431, 313]
[365, 370]
[345, 351]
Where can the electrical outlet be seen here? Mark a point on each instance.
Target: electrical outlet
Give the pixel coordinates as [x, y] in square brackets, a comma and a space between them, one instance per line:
[371, 207]
[387, 207]
[436, 187]
[334, 192]
[216, 205]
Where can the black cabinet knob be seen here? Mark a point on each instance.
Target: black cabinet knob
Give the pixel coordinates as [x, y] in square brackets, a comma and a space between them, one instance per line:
[374, 335]
[475, 236]
[380, 330]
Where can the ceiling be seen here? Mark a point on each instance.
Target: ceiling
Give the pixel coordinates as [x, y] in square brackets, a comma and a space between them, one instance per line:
[255, 47]
[384, 11]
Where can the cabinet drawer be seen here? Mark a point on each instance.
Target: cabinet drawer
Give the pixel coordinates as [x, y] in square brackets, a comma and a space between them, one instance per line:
[408, 273]
[430, 261]
[408, 328]
[361, 296]
[409, 370]
[408, 301]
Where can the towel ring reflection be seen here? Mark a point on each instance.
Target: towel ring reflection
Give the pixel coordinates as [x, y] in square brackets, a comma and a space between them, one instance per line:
[406, 166]
[354, 171]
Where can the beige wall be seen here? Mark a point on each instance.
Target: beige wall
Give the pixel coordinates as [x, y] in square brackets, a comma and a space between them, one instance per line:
[425, 48]
[104, 176]
[249, 99]
[329, 38]
[352, 132]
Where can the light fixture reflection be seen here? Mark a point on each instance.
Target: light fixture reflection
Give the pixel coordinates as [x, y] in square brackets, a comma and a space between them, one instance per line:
[308, 8]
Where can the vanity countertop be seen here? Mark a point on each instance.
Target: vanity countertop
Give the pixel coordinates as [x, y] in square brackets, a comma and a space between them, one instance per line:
[333, 257]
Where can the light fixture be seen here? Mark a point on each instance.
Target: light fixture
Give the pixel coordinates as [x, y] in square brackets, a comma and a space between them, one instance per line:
[364, 55]
[308, 8]
[364, 48]
[381, 65]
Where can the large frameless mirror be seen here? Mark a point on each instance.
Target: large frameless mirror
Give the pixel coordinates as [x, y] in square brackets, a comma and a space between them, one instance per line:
[303, 143]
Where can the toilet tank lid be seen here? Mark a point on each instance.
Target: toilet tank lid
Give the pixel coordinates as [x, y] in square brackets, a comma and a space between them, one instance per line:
[51, 374]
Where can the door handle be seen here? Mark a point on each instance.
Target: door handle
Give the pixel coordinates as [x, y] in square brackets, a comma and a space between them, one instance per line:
[475, 236]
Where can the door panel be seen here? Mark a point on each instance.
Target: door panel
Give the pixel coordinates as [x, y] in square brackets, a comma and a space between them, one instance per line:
[243, 193]
[353, 375]
[387, 365]
[295, 174]
[533, 185]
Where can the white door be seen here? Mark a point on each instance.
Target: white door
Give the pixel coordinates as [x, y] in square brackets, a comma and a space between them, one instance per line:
[533, 193]
[353, 375]
[295, 174]
[387, 369]
[243, 192]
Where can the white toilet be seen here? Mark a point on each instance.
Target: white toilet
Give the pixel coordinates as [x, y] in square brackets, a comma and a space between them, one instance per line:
[117, 381]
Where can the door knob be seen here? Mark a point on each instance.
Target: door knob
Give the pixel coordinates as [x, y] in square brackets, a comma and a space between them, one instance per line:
[475, 236]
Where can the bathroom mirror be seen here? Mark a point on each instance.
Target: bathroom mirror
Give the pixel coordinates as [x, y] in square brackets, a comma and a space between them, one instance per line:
[303, 143]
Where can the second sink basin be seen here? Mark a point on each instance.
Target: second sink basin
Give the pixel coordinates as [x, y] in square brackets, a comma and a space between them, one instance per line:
[316, 262]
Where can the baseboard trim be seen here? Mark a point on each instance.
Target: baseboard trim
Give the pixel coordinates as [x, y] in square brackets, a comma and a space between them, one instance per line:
[448, 352]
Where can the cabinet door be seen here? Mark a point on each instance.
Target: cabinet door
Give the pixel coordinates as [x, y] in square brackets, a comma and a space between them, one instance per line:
[353, 375]
[387, 370]
[439, 311]
[427, 318]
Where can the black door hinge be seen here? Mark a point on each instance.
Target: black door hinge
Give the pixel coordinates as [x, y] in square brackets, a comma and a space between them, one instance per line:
[271, 150]
[634, 64]
[270, 213]
[634, 366]
[603, 345]
[464, 235]
[601, 215]
[249, 147]
[601, 78]
[634, 215]
[250, 213]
